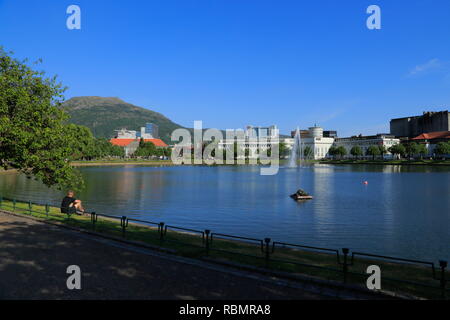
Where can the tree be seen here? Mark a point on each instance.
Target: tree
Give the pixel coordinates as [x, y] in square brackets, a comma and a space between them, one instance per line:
[442, 148]
[332, 151]
[341, 151]
[356, 151]
[284, 151]
[373, 151]
[398, 149]
[82, 143]
[422, 150]
[383, 150]
[33, 136]
[146, 149]
[412, 149]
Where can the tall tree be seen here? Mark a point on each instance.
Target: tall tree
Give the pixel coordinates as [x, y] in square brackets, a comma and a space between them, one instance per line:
[356, 151]
[341, 151]
[33, 138]
[332, 151]
[383, 150]
[398, 149]
[373, 151]
[442, 148]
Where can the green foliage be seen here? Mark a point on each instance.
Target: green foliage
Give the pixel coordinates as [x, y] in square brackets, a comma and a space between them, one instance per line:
[332, 151]
[412, 149]
[373, 151]
[356, 151]
[442, 148]
[341, 151]
[33, 137]
[104, 115]
[148, 149]
[422, 150]
[283, 151]
[398, 149]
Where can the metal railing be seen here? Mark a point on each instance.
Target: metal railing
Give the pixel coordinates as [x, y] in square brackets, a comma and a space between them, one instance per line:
[267, 249]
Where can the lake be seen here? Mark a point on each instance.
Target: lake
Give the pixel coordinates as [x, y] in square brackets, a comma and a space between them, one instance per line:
[403, 211]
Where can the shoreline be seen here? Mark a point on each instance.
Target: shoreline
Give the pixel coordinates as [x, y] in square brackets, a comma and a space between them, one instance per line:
[387, 163]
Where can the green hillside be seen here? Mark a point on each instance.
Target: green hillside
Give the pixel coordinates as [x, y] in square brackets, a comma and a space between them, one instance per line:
[104, 115]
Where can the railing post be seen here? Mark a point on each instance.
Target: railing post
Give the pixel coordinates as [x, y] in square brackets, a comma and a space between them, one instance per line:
[93, 220]
[123, 224]
[443, 265]
[47, 210]
[14, 204]
[161, 232]
[267, 251]
[207, 233]
[29, 207]
[345, 251]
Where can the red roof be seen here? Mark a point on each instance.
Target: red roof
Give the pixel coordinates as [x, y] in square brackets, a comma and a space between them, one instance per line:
[125, 142]
[121, 142]
[433, 135]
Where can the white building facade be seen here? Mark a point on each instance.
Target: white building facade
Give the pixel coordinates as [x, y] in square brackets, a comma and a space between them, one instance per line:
[313, 140]
[364, 142]
[253, 139]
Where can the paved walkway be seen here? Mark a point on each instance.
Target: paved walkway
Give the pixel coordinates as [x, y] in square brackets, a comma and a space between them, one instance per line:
[34, 257]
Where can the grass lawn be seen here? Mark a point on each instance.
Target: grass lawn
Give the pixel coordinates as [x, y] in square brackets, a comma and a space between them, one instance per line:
[296, 261]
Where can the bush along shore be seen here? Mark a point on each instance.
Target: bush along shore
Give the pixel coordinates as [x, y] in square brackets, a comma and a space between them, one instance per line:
[327, 266]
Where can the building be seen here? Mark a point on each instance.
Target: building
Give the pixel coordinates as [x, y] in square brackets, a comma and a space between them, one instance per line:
[410, 127]
[432, 139]
[125, 134]
[364, 142]
[315, 139]
[129, 139]
[254, 139]
[150, 131]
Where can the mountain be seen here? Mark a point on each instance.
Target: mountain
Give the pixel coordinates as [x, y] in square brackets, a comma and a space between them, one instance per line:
[104, 115]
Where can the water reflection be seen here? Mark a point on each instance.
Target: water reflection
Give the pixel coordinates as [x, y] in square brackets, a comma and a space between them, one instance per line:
[403, 211]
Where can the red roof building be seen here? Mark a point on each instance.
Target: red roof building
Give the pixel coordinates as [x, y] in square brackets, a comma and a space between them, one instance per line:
[433, 136]
[126, 142]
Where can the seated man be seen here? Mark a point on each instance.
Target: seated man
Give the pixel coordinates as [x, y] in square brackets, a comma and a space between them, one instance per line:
[70, 205]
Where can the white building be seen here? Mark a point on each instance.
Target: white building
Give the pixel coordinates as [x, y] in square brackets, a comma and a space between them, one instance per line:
[364, 142]
[313, 140]
[150, 131]
[253, 139]
[126, 134]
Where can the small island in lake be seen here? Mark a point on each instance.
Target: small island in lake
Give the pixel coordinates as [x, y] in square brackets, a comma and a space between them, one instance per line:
[301, 195]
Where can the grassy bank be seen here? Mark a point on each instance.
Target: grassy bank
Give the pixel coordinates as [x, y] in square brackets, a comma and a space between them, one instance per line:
[390, 162]
[293, 261]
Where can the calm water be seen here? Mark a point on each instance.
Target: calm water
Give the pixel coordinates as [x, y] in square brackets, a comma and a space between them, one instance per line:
[402, 212]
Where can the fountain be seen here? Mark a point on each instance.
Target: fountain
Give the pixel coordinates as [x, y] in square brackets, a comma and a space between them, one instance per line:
[297, 151]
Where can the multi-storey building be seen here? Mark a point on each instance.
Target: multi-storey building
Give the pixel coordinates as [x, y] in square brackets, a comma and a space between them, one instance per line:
[410, 127]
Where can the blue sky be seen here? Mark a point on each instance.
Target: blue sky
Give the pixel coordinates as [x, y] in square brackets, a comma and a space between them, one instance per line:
[237, 62]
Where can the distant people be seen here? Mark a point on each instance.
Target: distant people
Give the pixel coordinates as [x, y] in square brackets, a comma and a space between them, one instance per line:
[71, 205]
